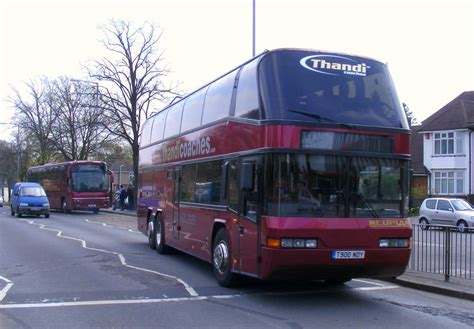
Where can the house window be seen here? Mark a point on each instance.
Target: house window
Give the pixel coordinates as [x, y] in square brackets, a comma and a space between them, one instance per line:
[449, 182]
[448, 143]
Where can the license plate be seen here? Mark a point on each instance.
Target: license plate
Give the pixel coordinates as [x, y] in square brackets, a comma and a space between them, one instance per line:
[92, 205]
[348, 254]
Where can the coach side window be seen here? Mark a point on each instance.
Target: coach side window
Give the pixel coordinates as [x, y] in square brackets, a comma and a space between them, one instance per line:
[246, 102]
[192, 113]
[188, 181]
[158, 127]
[208, 182]
[173, 120]
[218, 98]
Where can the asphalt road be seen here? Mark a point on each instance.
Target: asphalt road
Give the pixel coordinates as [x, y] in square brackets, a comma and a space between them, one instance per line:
[85, 270]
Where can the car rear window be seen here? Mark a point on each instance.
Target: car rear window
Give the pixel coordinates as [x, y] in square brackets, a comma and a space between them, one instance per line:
[430, 204]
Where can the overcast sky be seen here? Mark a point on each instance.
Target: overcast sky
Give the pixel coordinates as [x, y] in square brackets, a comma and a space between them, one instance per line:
[428, 44]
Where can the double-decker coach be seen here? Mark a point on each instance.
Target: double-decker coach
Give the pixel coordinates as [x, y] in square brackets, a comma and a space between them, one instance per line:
[294, 165]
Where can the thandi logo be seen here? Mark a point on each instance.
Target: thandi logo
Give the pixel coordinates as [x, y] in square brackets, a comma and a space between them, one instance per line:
[334, 65]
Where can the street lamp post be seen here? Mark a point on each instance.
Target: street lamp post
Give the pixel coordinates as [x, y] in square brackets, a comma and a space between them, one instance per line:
[253, 28]
[120, 176]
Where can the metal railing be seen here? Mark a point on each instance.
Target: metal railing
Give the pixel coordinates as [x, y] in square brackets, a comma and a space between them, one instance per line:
[443, 250]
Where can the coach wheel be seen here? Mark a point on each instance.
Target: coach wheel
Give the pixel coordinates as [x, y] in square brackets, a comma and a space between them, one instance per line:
[18, 213]
[337, 282]
[221, 260]
[159, 234]
[12, 212]
[64, 206]
[46, 215]
[151, 234]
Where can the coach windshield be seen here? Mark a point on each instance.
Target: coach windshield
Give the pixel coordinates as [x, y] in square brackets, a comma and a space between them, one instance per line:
[90, 178]
[308, 185]
[328, 88]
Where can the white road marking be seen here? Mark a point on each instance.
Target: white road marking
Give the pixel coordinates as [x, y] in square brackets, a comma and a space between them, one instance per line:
[368, 282]
[167, 300]
[4, 291]
[376, 288]
[188, 288]
[102, 302]
[114, 226]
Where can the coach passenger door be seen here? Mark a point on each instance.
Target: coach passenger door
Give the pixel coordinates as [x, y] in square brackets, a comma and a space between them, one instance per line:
[176, 173]
[248, 215]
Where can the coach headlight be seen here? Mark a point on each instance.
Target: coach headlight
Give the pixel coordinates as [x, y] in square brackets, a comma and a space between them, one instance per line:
[23, 204]
[46, 205]
[393, 243]
[289, 243]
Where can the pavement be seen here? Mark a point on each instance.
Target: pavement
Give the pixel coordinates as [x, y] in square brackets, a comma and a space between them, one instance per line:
[429, 282]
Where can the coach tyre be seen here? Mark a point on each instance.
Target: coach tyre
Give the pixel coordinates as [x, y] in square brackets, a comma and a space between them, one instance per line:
[159, 233]
[64, 205]
[221, 259]
[151, 234]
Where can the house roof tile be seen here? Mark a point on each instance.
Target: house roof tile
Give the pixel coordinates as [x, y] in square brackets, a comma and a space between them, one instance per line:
[457, 114]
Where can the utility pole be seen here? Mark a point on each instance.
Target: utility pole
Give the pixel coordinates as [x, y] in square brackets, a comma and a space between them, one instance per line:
[253, 28]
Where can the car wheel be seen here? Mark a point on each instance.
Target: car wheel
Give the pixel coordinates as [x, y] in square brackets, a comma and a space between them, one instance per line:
[221, 260]
[462, 225]
[18, 213]
[12, 212]
[424, 223]
[159, 235]
[46, 215]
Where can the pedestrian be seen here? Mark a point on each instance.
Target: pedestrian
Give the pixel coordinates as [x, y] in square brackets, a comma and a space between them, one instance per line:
[123, 196]
[130, 196]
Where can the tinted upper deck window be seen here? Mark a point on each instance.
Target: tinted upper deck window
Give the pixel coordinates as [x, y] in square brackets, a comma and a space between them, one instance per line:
[318, 87]
[173, 120]
[246, 102]
[218, 98]
[146, 132]
[157, 131]
[192, 113]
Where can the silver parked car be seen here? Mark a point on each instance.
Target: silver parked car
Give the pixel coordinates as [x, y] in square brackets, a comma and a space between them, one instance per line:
[445, 211]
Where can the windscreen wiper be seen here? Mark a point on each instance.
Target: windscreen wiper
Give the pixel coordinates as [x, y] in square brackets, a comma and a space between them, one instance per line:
[321, 118]
[368, 205]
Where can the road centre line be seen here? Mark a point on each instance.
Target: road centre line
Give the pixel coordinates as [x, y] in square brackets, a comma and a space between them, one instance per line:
[8, 286]
[188, 288]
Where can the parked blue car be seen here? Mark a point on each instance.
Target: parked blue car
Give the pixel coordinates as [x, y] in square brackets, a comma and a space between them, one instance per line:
[29, 199]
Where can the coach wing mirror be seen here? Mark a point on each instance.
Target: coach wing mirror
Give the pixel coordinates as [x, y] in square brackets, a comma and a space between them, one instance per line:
[247, 178]
[111, 176]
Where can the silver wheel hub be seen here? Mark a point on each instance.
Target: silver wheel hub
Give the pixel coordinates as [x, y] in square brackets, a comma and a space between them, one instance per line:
[150, 229]
[221, 257]
[158, 234]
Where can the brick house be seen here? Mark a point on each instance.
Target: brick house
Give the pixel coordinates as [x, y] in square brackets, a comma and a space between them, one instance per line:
[420, 174]
[447, 148]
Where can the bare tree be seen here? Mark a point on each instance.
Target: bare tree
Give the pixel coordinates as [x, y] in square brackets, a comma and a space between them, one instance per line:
[134, 76]
[410, 116]
[35, 118]
[79, 128]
